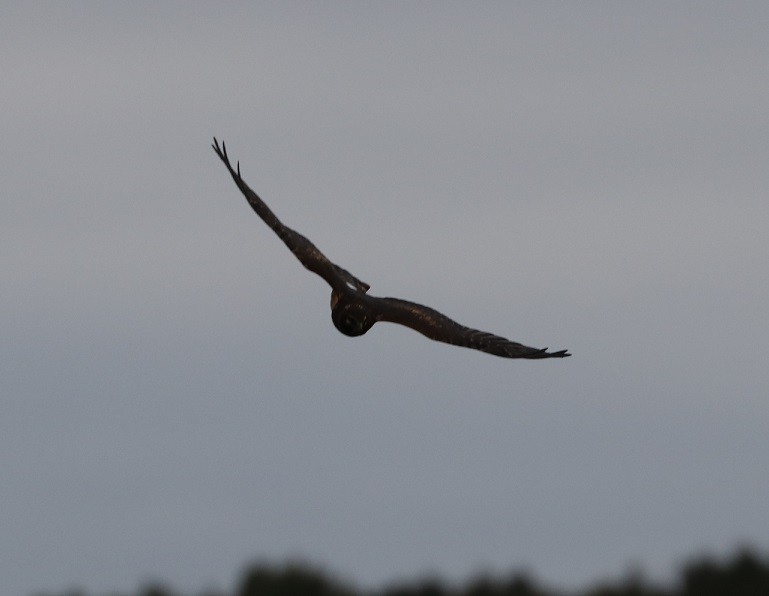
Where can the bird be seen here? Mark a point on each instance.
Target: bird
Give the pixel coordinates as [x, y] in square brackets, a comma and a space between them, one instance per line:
[354, 311]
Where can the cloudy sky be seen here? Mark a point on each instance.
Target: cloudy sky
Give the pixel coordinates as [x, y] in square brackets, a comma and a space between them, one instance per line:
[174, 400]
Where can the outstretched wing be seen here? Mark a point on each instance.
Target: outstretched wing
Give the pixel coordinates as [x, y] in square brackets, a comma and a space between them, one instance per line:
[437, 326]
[304, 250]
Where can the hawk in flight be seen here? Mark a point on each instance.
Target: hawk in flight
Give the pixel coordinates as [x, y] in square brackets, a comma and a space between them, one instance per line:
[354, 312]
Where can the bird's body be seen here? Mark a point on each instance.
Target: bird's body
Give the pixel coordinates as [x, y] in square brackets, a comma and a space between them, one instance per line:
[354, 311]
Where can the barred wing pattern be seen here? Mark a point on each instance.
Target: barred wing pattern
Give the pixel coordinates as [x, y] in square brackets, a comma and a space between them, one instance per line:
[304, 250]
[437, 326]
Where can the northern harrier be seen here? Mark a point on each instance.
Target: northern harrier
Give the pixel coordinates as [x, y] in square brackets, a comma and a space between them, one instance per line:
[354, 312]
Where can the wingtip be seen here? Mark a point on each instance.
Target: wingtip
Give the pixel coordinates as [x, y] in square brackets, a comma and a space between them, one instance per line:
[221, 151]
[558, 354]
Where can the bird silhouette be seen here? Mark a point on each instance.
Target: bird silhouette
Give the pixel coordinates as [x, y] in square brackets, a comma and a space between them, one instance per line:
[354, 311]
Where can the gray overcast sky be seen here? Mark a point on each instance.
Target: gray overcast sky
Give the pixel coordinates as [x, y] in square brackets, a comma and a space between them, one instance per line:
[175, 400]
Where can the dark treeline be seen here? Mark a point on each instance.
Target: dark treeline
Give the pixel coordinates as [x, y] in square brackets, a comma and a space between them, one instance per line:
[744, 574]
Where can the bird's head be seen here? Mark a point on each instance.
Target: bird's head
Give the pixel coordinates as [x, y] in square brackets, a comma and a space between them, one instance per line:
[351, 317]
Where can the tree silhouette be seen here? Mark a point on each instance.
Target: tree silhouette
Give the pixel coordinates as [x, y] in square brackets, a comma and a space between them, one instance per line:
[744, 574]
[264, 580]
